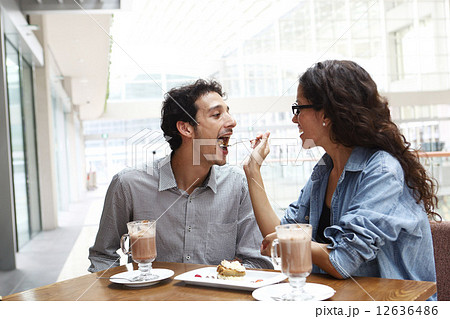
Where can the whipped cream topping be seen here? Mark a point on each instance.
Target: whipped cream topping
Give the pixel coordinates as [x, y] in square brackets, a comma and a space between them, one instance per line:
[236, 265]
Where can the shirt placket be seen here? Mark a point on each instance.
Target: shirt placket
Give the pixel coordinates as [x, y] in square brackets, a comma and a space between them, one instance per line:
[335, 202]
[189, 231]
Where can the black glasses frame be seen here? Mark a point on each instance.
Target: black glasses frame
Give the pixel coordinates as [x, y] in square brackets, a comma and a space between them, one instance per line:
[297, 108]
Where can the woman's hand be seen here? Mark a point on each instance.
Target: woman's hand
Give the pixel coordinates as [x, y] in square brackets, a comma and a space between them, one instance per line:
[266, 244]
[261, 149]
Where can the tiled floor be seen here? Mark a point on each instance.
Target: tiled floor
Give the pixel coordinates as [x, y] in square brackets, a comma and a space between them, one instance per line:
[57, 254]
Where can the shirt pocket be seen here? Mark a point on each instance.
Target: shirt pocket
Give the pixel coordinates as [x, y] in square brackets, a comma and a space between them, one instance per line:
[303, 211]
[142, 215]
[220, 242]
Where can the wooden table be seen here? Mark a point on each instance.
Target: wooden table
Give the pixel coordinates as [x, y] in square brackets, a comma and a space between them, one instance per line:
[88, 287]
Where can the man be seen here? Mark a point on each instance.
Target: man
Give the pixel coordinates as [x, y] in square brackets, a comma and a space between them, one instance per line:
[202, 208]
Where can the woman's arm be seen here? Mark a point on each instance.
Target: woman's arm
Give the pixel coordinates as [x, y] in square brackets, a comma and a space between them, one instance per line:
[321, 257]
[265, 216]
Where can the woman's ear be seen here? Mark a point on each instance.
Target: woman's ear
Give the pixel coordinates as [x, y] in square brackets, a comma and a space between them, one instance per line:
[185, 128]
[325, 120]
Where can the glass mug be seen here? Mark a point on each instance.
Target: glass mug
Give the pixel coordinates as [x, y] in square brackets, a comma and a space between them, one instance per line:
[142, 248]
[294, 241]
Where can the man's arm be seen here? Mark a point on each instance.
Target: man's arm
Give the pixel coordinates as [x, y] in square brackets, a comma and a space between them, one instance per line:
[113, 224]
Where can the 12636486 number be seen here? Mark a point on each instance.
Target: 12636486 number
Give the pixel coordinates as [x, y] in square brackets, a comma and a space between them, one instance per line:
[407, 310]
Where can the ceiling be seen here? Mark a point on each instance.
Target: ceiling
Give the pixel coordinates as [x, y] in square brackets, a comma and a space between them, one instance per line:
[80, 46]
[148, 36]
[187, 36]
[75, 37]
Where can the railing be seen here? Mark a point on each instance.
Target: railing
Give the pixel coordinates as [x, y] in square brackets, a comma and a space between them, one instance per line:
[285, 175]
[434, 154]
[284, 178]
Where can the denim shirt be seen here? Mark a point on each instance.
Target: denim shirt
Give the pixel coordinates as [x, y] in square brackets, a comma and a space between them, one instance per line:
[377, 228]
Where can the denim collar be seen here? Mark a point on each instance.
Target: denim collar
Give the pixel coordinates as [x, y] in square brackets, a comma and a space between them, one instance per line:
[355, 163]
[358, 159]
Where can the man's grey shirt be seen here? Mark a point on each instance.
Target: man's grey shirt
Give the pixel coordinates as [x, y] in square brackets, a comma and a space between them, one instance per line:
[215, 222]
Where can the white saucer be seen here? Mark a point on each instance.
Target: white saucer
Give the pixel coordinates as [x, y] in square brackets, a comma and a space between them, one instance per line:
[273, 292]
[121, 278]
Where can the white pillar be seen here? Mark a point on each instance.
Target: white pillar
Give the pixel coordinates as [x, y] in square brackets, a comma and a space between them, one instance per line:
[45, 136]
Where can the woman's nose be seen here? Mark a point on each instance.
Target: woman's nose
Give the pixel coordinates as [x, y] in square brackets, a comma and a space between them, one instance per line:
[295, 119]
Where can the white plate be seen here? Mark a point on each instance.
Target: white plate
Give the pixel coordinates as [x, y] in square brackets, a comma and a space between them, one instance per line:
[121, 278]
[268, 293]
[253, 279]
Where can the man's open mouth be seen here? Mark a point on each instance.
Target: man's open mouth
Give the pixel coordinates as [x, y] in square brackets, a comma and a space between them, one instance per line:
[223, 141]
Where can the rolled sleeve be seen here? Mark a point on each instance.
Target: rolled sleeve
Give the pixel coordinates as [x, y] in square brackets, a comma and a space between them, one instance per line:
[349, 249]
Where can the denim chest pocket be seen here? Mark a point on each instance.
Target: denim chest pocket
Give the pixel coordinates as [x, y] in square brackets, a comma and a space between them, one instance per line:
[303, 213]
[221, 242]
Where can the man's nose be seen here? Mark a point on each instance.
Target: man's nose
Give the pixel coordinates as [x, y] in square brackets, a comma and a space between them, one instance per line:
[231, 122]
[295, 119]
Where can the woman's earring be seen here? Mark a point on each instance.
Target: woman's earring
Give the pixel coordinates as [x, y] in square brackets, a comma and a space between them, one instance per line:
[324, 124]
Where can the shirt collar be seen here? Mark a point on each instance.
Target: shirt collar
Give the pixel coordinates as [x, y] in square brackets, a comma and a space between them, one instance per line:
[358, 159]
[355, 163]
[167, 179]
[322, 167]
[210, 180]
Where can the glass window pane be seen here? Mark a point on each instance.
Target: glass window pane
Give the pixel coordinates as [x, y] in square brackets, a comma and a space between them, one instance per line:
[30, 149]
[17, 145]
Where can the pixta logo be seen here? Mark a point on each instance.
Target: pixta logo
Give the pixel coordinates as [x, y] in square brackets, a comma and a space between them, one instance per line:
[144, 147]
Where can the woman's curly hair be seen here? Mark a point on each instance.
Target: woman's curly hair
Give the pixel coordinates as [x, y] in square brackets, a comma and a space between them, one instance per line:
[359, 116]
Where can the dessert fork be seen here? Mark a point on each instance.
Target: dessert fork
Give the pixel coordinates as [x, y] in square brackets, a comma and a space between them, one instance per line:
[238, 142]
[130, 280]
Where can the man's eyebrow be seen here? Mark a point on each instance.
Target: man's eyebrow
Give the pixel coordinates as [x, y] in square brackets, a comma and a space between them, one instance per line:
[218, 106]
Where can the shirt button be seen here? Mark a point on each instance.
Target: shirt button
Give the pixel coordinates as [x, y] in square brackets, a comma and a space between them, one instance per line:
[188, 257]
[306, 217]
[189, 228]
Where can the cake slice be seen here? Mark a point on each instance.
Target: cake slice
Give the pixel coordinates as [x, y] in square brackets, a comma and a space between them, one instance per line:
[230, 270]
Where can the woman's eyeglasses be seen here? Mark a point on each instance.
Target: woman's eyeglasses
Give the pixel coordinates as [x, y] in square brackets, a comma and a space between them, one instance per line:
[297, 108]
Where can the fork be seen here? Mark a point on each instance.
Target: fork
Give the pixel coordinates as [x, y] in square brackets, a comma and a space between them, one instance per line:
[276, 298]
[130, 280]
[238, 142]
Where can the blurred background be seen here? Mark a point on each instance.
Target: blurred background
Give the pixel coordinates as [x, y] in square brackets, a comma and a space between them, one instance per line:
[82, 83]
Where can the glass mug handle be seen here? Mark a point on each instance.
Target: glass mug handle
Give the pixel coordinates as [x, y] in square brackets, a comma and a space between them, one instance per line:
[274, 252]
[122, 244]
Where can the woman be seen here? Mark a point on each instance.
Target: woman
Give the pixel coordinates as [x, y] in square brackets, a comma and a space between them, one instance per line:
[369, 197]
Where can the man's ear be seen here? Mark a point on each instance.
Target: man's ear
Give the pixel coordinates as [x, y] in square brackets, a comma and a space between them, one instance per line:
[185, 129]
